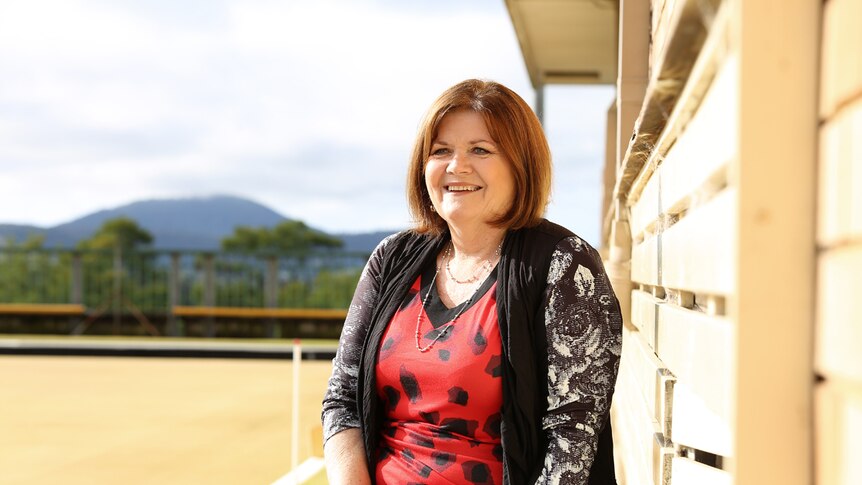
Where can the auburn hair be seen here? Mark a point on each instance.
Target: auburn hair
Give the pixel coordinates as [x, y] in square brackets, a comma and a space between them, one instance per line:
[517, 133]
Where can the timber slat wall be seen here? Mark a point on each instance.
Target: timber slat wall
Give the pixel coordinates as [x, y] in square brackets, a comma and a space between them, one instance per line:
[838, 352]
[716, 186]
[732, 234]
[673, 404]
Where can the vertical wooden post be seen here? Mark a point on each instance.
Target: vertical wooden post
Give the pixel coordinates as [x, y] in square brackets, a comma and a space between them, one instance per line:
[610, 172]
[632, 79]
[173, 294]
[76, 290]
[209, 293]
[618, 264]
[270, 292]
[117, 299]
[775, 172]
[76, 295]
[633, 68]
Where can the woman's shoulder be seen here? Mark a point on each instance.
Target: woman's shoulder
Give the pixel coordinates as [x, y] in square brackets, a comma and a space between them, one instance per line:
[400, 238]
[567, 246]
[387, 240]
[559, 238]
[400, 243]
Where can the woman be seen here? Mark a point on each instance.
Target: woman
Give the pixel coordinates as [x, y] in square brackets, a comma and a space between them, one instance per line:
[482, 346]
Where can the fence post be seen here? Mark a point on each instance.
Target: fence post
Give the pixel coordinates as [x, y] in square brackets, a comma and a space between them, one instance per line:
[76, 292]
[116, 301]
[173, 294]
[209, 292]
[271, 294]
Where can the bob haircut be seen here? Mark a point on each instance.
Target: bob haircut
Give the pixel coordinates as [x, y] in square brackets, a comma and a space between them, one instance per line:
[516, 132]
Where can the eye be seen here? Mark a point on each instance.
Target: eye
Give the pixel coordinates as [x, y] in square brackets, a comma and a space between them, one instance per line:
[439, 152]
[481, 151]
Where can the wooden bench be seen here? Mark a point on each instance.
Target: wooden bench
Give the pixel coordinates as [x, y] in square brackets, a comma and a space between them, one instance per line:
[41, 309]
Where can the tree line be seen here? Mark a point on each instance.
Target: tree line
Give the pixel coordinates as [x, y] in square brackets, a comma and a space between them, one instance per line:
[31, 274]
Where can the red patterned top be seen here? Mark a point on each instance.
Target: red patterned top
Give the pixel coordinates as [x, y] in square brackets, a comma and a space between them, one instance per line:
[442, 406]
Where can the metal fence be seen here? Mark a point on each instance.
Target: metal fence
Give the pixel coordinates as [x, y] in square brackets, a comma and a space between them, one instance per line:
[155, 281]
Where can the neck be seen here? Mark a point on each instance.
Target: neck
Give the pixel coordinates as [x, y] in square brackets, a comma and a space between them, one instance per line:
[476, 243]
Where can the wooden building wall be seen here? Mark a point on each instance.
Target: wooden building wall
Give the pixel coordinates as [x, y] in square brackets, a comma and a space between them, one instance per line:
[838, 321]
[734, 235]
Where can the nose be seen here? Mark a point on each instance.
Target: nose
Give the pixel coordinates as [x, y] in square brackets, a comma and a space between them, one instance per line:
[459, 163]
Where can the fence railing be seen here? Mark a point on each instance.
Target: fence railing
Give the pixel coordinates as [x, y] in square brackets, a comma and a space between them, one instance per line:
[153, 282]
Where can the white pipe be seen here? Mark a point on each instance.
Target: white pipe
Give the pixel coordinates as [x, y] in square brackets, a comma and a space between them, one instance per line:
[313, 467]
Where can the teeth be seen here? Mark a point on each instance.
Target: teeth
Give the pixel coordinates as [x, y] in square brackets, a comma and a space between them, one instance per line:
[462, 188]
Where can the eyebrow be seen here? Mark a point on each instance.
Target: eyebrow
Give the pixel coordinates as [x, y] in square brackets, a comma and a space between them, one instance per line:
[471, 142]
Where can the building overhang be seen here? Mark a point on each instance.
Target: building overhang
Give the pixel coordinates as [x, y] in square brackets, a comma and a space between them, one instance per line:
[567, 41]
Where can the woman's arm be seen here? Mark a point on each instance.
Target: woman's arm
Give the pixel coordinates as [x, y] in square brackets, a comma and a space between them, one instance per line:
[345, 459]
[584, 335]
[343, 445]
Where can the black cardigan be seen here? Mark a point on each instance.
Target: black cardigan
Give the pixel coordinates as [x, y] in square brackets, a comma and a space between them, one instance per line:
[521, 280]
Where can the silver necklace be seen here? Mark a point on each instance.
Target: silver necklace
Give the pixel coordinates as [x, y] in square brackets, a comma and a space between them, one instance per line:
[443, 331]
[486, 266]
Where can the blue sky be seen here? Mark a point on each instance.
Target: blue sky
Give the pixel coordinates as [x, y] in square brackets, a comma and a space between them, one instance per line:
[307, 107]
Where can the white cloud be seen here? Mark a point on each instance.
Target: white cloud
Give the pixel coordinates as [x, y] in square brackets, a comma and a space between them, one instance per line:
[308, 107]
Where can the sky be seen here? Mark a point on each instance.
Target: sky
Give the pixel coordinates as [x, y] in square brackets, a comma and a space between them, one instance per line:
[308, 107]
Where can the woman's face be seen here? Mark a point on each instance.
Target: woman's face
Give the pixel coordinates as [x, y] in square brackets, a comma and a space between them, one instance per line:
[469, 180]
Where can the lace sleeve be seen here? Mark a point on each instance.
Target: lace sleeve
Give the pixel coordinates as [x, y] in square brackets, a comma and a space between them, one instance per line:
[584, 333]
[339, 402]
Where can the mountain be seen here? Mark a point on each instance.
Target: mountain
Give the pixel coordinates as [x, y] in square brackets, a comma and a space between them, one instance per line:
[364, 242]
[192, 223]
[18, 232]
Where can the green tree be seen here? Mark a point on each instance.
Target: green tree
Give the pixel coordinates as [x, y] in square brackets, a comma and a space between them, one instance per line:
[333, 288]
[29, 273]
[292, 237]
[33, 241]
[117, 270]
[118, 233]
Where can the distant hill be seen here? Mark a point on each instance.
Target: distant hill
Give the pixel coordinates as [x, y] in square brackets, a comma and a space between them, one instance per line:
[18, 232]
[365, 242]
[192, 223]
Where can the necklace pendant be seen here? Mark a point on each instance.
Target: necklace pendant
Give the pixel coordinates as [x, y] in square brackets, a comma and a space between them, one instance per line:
[447, 256]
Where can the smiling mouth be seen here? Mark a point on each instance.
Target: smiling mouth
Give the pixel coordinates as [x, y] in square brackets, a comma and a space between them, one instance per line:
[462, 188]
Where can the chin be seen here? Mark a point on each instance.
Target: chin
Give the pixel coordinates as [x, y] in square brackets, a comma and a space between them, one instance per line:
[461, 218]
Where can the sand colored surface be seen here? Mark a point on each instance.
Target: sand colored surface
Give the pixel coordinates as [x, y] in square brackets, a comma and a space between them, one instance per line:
[93, 420]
